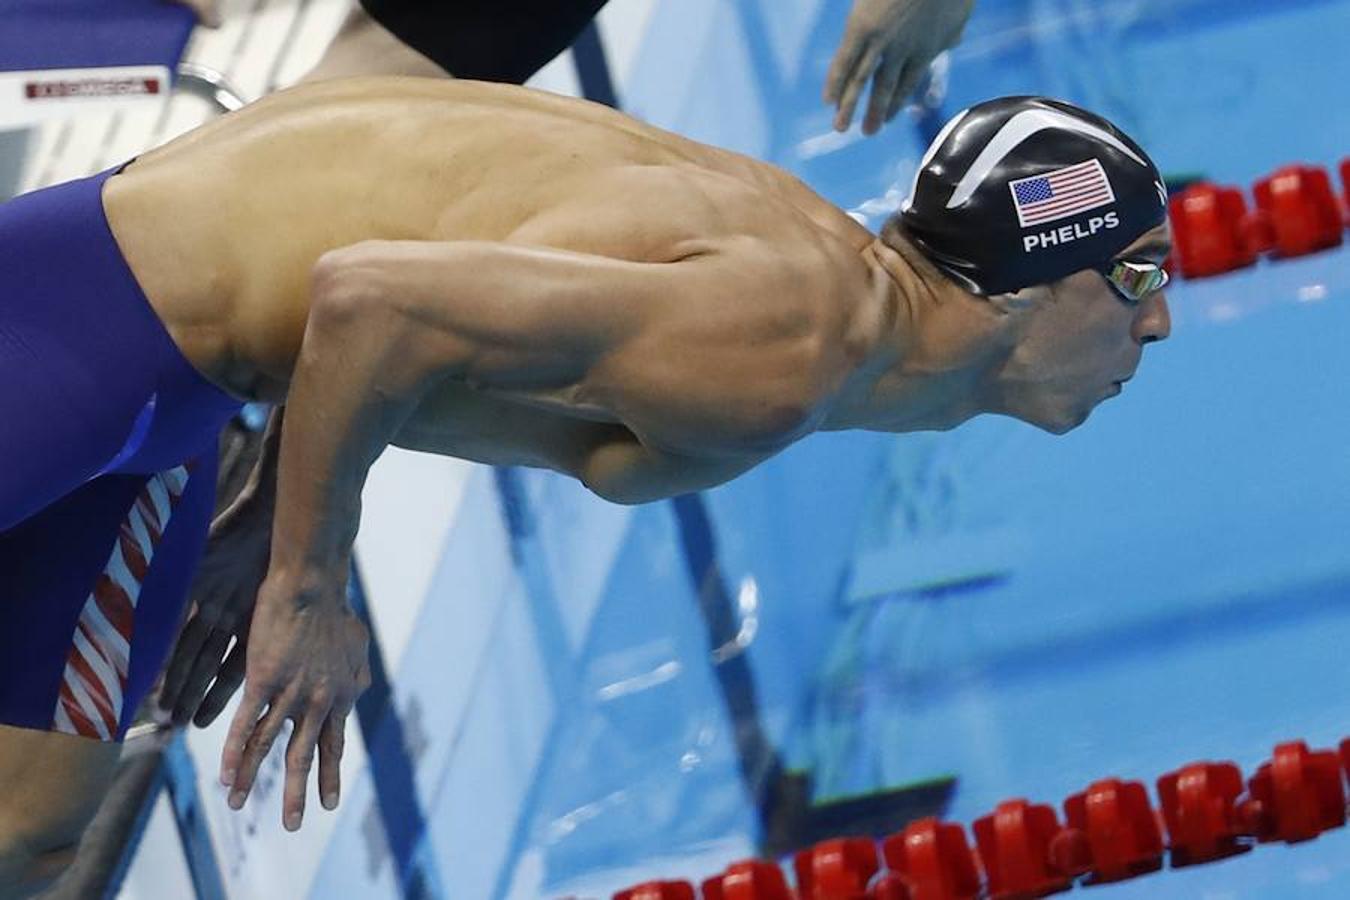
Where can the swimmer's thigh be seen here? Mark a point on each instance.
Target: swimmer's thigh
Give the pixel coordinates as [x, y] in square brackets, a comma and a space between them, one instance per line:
[50, 787]
[95, 585]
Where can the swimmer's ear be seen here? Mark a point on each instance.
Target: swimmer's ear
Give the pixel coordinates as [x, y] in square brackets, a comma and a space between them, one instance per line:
[1021, 301]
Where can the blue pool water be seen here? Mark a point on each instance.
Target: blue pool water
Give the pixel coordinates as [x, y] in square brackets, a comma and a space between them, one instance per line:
[1026, 613]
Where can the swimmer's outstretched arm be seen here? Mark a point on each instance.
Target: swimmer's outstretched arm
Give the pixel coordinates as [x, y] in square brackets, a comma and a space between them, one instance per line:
[389, 320]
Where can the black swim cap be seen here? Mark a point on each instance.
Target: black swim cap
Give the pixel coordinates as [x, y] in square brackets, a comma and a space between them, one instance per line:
[1025, 190]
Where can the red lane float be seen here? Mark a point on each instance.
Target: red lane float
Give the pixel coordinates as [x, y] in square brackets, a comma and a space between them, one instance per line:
[934, 860]
[1297, 212]
[836, 870]
[1120, 828]
[1295, 796]
[890, 886]
[1199, 805]
[1213, 233]
[1014, 844]
[751, 879]
[1345, 187]
[658, 890]
[1304, 214]
[1110, 833]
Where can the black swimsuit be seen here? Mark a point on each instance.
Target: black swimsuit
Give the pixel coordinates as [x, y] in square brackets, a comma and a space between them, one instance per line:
[486, 40]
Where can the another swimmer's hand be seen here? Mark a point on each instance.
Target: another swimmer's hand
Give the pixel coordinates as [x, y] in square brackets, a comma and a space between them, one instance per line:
[308, 661]
[223, 593]
[891, 42]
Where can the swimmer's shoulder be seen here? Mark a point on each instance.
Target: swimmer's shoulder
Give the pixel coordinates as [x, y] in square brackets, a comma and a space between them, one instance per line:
[751, 351]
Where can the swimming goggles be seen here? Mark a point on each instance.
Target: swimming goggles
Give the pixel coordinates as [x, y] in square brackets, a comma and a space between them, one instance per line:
[1134, 279]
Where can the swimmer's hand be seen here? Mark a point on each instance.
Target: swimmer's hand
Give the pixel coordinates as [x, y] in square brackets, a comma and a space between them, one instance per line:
[892, 42]
[208, 11]
[308, 661]
[223, 593]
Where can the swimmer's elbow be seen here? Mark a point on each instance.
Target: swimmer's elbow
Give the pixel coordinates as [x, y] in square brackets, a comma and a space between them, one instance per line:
[617, 491]
[621, 499]
[618, 472]
[358, 304]
[344, 285]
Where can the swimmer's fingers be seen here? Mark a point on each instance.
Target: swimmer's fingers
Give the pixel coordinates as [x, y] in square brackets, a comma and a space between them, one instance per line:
[961, 15]
[844, 62]
[885, 88]
[893, 108]
[300, 759]
[909, 83]
[894, 33]
[224, 592]
[332, 740]
[185, 652]
[201, 647]
[242, 726]
[257, 744]
[848, 101]
[875, 33]
[228, 679]
[896, 82]
[204, 669]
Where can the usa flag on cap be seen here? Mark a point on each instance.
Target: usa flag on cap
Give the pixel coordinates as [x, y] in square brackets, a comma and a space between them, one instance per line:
[1061, 193]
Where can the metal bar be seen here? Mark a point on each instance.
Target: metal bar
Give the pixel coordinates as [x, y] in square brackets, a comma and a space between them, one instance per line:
[391, 768]
[553, 645]
[191, 819]
[214, 86]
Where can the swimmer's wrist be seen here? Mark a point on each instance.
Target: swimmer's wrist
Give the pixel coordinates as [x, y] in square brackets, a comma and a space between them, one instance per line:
[313, 551]
[307, 586]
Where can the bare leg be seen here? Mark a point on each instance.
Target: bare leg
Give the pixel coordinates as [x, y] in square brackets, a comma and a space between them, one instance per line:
[365, 47]
[50, 786]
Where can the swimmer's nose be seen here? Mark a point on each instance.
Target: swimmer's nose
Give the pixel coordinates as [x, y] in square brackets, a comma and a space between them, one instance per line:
[1153, 322]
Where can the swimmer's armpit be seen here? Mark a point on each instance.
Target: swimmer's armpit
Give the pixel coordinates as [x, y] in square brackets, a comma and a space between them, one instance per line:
[624, 470]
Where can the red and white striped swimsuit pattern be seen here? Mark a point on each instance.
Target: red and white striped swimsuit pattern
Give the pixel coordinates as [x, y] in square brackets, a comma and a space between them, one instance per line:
[95, 677]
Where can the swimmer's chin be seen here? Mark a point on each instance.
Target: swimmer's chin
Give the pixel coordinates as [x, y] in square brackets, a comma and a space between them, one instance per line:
[1066, 424]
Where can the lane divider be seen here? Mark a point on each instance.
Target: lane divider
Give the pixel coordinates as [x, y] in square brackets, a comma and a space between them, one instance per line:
[1022, 850]
[1296, 212]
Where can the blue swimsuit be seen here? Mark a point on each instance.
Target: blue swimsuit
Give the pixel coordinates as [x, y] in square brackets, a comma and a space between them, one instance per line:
[107, 470]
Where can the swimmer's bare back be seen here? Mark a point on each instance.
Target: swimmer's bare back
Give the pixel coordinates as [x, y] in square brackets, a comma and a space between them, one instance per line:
[724, 290]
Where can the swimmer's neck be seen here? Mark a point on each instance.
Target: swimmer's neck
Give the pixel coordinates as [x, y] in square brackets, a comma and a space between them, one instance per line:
[934, 352]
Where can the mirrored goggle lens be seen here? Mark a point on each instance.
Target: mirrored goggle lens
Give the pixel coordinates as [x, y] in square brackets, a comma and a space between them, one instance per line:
[1137, 279]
